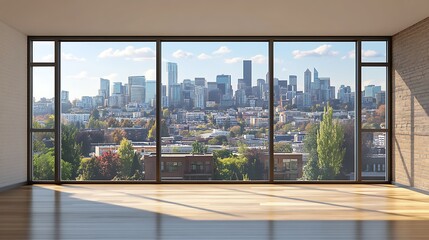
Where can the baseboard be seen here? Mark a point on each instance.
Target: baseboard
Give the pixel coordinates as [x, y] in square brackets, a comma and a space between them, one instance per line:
[411, 188]
[9, 187]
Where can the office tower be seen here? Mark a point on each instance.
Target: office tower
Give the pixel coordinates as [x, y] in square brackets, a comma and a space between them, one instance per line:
[260, 83]
[316, 76]
[104, 88]
[307, 81]
[240, 98]
[293, 81]
[200, 93]
[344, 94]
[224, 85]
[324, 91]
[172, 77]
[64, 96]
[164, 97]
[332, 92]
[135, 81]
[150, 91]
[117, 88]
[86, 102]
[200, 82]
[372, 90]
[380, 98]
[176, 95]
[247, 76]
[137, 94]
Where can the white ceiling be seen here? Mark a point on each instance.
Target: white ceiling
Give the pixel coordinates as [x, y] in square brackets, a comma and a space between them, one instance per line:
[213, 17]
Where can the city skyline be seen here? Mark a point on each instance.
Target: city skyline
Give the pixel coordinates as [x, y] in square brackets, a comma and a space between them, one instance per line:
[132, 58]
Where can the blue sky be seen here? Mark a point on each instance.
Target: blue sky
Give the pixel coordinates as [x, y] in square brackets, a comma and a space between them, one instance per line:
[83, 63]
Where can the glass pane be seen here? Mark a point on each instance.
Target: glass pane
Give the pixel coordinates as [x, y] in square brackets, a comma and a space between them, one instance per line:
[309, 143]
[43, 97]
[374, 156]
[43, 156]
[43, 51]
[215, 111]
[374, 97]
[108, 110]
[374, 51]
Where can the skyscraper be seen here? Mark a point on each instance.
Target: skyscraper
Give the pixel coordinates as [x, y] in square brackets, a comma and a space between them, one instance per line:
[247, 76]
[117, 88]
[150, 91]
[172, 78]
[293, 80]
[224, 85]
[104, 88]
[307, 81]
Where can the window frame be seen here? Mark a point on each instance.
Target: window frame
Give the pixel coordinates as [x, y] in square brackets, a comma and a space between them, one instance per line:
[159, 40]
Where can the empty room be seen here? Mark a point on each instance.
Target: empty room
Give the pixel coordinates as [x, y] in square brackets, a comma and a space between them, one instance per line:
[226, 119]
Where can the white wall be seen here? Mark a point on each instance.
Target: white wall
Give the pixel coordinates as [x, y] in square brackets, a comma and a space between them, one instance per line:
[13, 106]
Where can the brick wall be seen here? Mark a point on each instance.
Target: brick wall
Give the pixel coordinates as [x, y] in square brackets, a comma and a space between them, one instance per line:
[13, 106]
[411, 106]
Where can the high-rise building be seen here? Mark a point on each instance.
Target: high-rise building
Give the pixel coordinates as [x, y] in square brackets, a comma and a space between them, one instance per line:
[307, 81]
[200, 99]
[65, 96]
[104, 88]
[293, 81]
[247, 76]
[224, 85]
[200, 82]
[175, 98]
[150, 91]
[164, 97]
[117, 88]
[172, 78]
[332, 92]
[137, 94]
[372, 90]
[260, 83]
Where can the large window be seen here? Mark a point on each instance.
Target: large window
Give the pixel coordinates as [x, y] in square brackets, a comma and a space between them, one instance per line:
[208, 109]
[215, 116]
[314, 100]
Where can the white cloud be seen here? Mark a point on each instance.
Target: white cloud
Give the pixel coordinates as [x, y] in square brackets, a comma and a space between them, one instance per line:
[130, 52]
[371, 54]
[233, 60]
[258, 59]
[284, 69]
[222, 50]
[365, 54]
[150, 74]
[48, 58]
[182, 54]
[350, 55]
[71, 57]
[323, 50]
[204, 56]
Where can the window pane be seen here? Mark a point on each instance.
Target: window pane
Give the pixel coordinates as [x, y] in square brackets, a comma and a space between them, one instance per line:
[215, 111]
[374, 156]
[374, 97]
[43, 97]
[43, 51]
[108, 110]
[309, 76]
[374, 51]
[43, 156]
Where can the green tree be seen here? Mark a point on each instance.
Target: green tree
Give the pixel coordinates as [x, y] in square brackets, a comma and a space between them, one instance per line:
[136, 167]
[231, 168]
[126, 155]
[118, 134]
[152, 132]
[95, 114]
[282, 147]
[330, 148]
[218, 140]
[198, 148]
[44, 166]
[89, 169]
[311, 169]
[325, 145]
[70, 149]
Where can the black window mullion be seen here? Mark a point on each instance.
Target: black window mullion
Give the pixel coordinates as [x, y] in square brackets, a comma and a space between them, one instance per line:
[358, 114]
[158, 110]
[57, 172]
[271, 109]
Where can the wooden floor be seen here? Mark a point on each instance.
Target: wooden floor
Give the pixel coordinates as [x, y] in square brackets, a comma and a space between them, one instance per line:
[247, 211]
